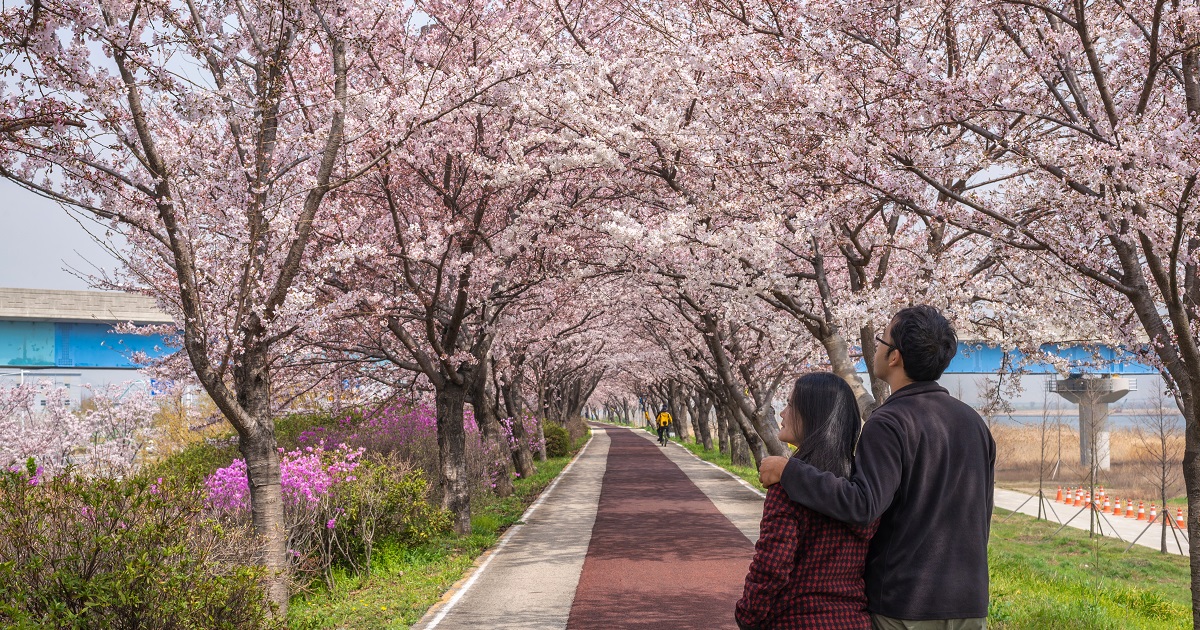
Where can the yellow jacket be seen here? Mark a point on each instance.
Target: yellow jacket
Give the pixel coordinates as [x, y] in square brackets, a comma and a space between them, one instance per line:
[664, 419]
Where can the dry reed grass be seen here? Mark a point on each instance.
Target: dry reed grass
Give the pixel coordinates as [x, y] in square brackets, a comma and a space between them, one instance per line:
[1021, 452]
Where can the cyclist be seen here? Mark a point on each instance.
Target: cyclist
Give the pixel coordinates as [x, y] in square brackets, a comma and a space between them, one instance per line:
[664, 426]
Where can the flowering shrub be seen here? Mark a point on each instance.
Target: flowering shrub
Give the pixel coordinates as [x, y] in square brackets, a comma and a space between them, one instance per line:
[409, 432]
[307, 476]
[529, 424]
[334, 502]
[388, 496]
[98, 552]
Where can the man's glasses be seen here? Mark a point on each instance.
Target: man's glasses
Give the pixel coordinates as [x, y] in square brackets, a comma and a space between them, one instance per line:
[879, 338]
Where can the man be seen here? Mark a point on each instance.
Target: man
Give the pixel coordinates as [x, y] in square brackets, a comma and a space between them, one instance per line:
[664, 426]
[925, 466]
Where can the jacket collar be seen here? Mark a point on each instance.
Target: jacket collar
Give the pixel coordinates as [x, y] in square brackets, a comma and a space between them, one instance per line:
[912, 389]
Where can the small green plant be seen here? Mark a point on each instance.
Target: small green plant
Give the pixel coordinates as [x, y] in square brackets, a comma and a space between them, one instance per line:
[388, 498]
[191, 465]
[485, 523]
[558, 441]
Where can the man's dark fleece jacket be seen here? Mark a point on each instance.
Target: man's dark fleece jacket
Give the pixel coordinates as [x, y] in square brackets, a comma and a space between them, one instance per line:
[925, 465]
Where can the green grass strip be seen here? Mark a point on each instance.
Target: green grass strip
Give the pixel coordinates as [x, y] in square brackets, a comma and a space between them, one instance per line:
[748, 473]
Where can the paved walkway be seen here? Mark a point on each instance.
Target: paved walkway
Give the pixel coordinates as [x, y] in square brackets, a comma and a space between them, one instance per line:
[1121, 528]
[625, 519]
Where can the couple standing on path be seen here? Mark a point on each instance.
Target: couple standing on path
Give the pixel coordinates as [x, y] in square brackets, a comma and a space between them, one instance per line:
[890, 533]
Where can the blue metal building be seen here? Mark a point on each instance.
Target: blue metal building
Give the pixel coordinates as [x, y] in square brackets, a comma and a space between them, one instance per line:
[68, 337]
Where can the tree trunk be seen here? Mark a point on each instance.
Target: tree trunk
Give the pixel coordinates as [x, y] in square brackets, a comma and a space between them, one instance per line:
[452, 456]
[703, 411]
[492, 435]
[260, 450]
[765, 438]
[739, 451]
[842, 364]
[677, 411]
[693, 409]
[541, 436]
[879, 387]
[266, 510]
[1191, 481]
[748, 433]
[722, 430]
[522, 457]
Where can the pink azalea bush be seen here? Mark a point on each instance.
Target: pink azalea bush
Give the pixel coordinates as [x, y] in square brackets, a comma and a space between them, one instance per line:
[307, 475]
[314, 495]
[529, 424]
[334, 501]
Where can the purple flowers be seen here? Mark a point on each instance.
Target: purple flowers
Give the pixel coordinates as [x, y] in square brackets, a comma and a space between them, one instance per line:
[307, 476]
[35, 474]
[228, 488]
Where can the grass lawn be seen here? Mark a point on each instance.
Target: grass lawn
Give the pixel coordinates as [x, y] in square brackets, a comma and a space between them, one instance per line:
[1041, 580]
[407, 580]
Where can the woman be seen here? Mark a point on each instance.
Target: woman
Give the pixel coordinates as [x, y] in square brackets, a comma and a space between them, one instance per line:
[807, 570]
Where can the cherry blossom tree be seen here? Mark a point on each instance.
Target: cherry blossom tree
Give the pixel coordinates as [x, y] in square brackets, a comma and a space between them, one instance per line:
[106, 436]
[1063, 133]
[214, 137]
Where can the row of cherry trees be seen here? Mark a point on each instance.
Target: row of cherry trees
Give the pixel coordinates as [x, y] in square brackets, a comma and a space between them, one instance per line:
[529, 205]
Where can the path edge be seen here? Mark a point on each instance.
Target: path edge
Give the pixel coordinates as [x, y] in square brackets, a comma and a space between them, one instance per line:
[454, 594]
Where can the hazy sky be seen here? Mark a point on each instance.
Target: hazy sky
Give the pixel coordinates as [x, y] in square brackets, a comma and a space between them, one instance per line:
[40, 242]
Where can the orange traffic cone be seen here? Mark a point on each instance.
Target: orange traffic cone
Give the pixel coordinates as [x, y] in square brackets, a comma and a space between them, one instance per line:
[1078, 497]
[1107, 506]
[1058, 497]
[1153, 512]
[1141, 511]
[1129, 511]
[1179, 518]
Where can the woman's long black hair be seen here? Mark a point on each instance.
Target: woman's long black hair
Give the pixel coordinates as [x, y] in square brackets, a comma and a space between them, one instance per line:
[829, 421]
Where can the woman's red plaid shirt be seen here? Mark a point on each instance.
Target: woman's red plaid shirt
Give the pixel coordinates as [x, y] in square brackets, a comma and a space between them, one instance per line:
[807, 571]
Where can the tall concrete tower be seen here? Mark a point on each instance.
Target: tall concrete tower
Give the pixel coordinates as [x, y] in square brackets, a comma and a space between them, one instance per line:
[1093, 394]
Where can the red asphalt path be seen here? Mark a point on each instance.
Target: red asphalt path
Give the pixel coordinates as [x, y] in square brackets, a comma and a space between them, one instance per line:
[661, 554]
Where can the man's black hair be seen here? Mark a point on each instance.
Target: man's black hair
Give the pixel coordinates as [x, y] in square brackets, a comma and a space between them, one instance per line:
[926, 340]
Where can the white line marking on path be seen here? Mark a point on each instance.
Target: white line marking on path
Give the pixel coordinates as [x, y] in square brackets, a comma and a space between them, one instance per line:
[504, 541]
